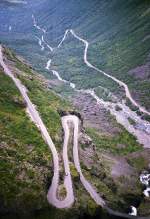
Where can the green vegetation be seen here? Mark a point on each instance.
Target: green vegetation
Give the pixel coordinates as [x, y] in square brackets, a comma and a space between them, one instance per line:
[144, 208]
[76, 71]
[139, 163]
[74, 172]
[48, 103]
[62, 192]
[25, 158]
[26, 162]
[110, 143]
[91, 207]
[119, 43]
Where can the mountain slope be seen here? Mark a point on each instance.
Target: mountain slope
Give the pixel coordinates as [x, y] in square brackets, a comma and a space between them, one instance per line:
[117, 31]
[114, 138]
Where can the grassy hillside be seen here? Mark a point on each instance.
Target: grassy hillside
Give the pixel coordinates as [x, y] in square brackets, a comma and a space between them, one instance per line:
[25, 158]
[26, 164]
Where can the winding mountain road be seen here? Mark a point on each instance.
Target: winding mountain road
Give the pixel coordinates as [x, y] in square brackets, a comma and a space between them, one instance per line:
[142, 133]
[66, 120]
[75, 121]
[122, 84]
[35, 117]
[86, 43]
